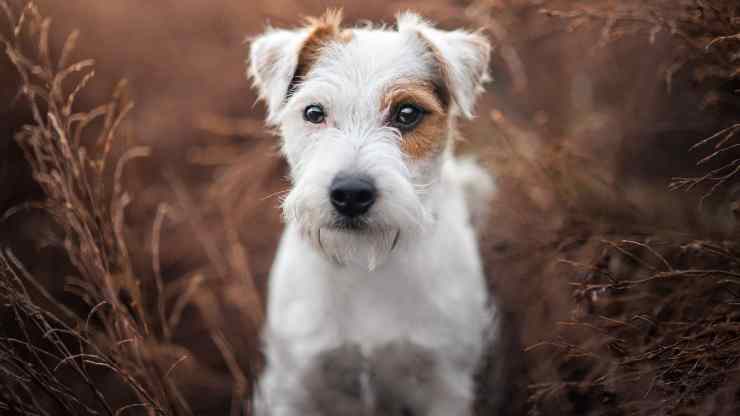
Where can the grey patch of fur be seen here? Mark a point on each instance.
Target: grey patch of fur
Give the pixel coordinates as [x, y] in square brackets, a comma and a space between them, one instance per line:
[334, 383]
[397, 379]
[403, 377]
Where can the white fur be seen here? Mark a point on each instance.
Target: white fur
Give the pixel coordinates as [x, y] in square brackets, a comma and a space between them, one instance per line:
[414, 276]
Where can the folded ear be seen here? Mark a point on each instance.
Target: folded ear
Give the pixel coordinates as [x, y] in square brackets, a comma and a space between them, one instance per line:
[273, 58]
[462, 58]
[280, 59]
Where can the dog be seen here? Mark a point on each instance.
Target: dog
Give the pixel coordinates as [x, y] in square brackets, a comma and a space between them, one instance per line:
[377, 301]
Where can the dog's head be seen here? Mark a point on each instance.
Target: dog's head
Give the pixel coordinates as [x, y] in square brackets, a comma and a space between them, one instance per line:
[365, 116]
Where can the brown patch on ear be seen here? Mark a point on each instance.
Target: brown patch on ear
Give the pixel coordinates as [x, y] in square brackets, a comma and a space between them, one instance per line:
[430, 135]
[322, 30]
[442, 86]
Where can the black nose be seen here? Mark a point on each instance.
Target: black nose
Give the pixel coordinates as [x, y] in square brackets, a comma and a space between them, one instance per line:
[352, 195]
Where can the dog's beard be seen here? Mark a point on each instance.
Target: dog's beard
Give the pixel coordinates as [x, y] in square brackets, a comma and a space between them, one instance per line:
[360, 248]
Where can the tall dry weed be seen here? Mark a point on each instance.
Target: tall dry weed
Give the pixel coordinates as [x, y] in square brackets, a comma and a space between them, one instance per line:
[52, 357]
[631, 301]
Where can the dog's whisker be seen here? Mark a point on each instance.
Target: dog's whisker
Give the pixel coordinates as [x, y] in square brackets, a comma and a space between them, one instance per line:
[274, 194]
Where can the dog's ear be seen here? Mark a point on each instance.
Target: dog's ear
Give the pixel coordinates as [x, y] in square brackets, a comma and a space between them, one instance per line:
[462, 58]
[279, 59]
[273, 58]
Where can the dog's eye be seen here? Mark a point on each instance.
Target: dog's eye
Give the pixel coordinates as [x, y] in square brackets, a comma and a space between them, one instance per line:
[314, 113]
[407, 116]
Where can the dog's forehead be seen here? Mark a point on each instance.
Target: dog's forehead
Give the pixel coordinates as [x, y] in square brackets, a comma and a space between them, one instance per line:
[374, 57]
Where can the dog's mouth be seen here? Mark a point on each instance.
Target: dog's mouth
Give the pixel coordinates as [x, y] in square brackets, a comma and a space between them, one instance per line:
[354, 227]
[357, 244]
[359, 224]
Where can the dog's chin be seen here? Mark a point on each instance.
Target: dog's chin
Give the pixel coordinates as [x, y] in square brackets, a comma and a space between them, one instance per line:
[353, 243]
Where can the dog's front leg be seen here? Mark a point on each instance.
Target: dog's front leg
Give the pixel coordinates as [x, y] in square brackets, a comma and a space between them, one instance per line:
[409, 380]
[336, 382]
[330, 385]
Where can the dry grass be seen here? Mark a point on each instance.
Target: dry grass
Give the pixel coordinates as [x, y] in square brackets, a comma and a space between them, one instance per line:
[641, 315]
[118, 335]
[116, 331]
[141, 289]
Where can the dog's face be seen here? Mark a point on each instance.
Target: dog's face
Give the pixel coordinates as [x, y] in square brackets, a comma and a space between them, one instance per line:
[365, 119]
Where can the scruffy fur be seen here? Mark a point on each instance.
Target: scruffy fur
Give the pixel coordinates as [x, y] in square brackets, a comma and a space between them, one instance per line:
[391, 318]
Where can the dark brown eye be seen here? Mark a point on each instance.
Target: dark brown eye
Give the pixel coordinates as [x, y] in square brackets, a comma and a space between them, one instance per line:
[407, 116]
[314, 113]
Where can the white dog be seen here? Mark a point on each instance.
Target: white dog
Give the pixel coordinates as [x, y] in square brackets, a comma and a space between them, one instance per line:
[377, 301]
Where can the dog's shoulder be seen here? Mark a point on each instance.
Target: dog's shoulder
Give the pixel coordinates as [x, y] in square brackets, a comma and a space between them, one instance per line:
[477, 185]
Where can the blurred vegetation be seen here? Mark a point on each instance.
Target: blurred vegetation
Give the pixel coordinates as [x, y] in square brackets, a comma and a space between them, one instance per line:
[138, 218]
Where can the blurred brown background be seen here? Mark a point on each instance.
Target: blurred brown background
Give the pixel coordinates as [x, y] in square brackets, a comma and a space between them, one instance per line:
[590, 117]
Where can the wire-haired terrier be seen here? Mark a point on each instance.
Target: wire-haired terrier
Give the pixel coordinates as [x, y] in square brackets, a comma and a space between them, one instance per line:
[377, 299]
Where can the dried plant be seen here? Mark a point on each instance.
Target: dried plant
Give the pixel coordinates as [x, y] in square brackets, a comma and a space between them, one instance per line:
[655, 331]
[724, 146]
[652, 319]
[69, 153]
[708, 47]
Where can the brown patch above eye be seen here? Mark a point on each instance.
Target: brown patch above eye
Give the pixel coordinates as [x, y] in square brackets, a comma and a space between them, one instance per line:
[322, 30]
[430, 135]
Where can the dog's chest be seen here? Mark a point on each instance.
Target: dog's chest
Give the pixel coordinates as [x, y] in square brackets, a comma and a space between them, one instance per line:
[385, 307]
[433, 295]
[417, 299]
